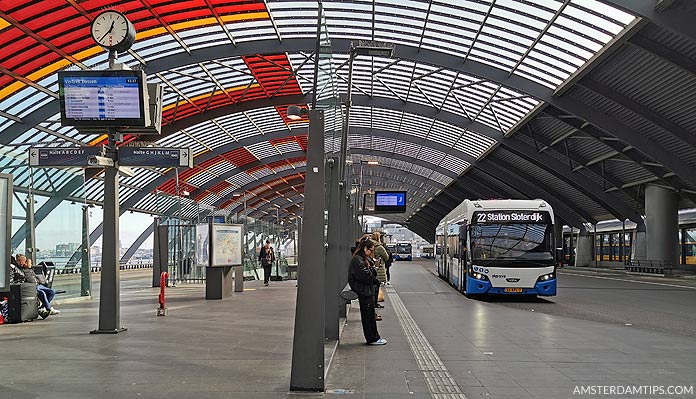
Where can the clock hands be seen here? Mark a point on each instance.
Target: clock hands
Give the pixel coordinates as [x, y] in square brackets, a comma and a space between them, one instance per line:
[108, 31]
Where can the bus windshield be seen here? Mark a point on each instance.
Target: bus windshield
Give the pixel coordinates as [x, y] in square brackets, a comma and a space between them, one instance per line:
[512, 245]
[403, 248]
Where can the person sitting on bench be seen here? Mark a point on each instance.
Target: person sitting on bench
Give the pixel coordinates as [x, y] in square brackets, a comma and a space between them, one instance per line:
[25, 273]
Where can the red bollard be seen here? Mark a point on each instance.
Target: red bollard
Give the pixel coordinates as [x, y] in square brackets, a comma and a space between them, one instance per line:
[162, 310]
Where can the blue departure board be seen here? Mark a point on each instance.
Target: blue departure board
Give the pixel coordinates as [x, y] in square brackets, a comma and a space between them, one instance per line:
[390, 201]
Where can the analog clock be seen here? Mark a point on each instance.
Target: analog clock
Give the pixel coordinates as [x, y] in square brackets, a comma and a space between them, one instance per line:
[113, 31]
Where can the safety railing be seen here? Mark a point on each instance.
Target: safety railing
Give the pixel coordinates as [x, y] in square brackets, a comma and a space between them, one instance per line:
[650, 266]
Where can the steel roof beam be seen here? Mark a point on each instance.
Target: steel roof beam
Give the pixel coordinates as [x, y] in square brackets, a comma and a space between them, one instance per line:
[531, 190]
[576, 180]
[649, 147]
[672, 19]
[638, 157]
[643, 111]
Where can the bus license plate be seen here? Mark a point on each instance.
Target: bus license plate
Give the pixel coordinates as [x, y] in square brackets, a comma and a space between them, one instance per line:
[513, 290]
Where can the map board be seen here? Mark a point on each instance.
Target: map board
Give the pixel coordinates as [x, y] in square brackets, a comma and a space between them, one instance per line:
[226, 240]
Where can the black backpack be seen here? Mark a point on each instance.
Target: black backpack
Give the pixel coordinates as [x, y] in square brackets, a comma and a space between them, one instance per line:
[391, 256]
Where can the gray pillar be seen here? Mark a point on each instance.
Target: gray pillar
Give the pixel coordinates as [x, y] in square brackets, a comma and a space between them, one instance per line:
[30, 247]
[639, 248]
[346, 242]
[307, 373]
[333, 254]
[662, 222]
[160, 252]
[583, 257]
[85, 270]
[109, 301]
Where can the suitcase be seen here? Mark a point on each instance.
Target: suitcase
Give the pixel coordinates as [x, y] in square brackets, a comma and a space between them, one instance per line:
[23, 303]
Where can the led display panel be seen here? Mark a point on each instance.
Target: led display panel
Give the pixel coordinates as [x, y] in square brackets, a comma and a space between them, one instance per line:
[390, 201]
[102, 98]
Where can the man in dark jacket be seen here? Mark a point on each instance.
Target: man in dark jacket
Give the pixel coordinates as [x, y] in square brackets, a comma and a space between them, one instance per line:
[266, 257]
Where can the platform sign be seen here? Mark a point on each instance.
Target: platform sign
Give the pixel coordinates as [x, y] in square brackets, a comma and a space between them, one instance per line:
[65, 157]
[155, 157]
[390, 201]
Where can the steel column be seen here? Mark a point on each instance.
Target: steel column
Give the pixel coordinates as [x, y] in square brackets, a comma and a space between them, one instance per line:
[85, 270]
[30, 247]
[307, 372]
[333, 254]
[109, 294]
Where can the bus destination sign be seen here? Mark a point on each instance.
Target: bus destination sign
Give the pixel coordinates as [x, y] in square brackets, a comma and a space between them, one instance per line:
[505, 217]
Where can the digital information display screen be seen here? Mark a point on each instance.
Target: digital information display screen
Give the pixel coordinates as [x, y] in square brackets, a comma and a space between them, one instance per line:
[390, 201]
[101, 98]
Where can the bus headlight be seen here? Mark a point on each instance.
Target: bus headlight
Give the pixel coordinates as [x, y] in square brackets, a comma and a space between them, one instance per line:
[546, 277]
[477, 275]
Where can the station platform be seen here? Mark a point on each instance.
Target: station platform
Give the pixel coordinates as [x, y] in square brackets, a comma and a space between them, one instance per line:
[440, 345]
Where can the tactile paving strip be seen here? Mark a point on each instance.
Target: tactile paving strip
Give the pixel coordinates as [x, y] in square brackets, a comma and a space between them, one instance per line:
[440, 382]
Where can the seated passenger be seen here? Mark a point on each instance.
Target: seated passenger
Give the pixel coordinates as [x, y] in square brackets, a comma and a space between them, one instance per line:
[25, 274]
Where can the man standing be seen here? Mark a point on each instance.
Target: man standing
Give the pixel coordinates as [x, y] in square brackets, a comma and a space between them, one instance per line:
[266, 257]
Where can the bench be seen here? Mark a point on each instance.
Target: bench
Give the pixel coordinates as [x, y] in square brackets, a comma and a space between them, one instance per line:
[48, 270]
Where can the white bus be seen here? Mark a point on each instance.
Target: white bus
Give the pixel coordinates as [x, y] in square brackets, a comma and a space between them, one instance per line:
[498, 247]
[404, 251]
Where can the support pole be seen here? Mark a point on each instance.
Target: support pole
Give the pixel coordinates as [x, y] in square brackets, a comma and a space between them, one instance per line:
[85, 270]
[333, 255]
[307, 373]
[109, 305]
[30, 247]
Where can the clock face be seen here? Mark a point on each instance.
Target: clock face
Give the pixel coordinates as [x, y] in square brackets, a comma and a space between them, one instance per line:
[113, 31]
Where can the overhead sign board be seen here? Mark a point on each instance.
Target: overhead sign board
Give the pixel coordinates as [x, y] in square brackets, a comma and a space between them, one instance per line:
[390, 201]
[66, 157]
[155, 157]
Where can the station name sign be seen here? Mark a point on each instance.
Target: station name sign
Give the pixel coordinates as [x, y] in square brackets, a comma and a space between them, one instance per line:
[155, 157]
[497, 217]
[73, 157]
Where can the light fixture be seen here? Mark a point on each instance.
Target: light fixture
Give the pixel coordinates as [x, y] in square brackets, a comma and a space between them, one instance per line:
[295, 113]
[373, 162]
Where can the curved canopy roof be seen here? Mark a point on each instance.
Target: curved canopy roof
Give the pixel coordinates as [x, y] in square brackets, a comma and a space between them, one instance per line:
[580, 102]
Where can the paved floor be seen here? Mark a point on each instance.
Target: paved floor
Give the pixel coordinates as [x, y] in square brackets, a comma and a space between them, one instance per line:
[240, 347]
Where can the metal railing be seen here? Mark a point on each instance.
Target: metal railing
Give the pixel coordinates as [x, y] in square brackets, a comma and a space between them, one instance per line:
[650, 266]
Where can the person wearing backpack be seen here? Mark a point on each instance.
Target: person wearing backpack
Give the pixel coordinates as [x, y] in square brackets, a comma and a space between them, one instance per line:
[266, 257]
[388, 263]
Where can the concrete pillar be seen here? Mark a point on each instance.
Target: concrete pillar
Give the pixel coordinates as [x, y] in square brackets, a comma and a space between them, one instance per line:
[639, 250]
[583, 256]
[662, 222]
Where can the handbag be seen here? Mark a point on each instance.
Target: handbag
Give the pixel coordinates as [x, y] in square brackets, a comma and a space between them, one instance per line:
[380, 296]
